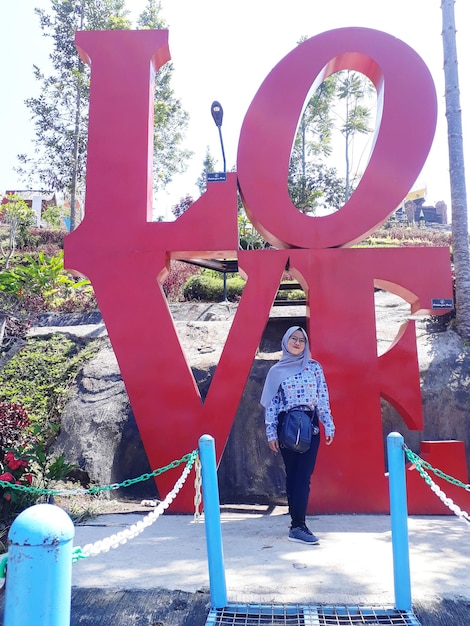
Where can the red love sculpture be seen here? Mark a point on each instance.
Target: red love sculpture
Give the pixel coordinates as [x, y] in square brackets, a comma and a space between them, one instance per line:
[126, 255]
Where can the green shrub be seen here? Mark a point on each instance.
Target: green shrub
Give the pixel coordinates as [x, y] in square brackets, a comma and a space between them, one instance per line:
[178, 275]
[404, 236]
[40, 375]
[34, 387]
[235, 288]
[209, 288]
[203, 288]
[40, 283]
[43, 239]
[296, 294]
[290, 294]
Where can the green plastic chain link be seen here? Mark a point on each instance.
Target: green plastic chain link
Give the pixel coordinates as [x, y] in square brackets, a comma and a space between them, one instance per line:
[421, 463]
[77, 553]
[3, 566]
[187, 458]
[132, 531]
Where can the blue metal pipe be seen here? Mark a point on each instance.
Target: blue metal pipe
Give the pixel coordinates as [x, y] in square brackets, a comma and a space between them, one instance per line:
[399, 518]
[39, 574]
[210, 494]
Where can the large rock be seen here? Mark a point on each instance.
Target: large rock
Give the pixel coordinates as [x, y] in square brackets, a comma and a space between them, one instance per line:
[98, 429]
[445, 388]
[100, 434]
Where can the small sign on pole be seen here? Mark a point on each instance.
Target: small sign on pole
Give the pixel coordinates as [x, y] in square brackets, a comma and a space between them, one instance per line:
[216, 177]
[442, 303]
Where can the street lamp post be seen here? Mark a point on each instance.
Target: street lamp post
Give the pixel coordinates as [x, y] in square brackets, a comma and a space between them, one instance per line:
[218, 115]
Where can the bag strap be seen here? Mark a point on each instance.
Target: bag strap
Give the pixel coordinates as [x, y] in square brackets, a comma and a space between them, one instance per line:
[283, 395]
[315, 415]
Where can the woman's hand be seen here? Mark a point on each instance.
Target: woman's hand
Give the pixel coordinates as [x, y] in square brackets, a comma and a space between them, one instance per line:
[274, 445]
[328, 440]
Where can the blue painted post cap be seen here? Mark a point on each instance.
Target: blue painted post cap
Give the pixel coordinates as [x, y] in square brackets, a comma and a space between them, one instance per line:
[40, 525]
[206, 438]
[395, 438]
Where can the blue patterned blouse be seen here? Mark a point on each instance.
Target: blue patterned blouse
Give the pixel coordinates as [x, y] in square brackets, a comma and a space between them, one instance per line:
[308, 388]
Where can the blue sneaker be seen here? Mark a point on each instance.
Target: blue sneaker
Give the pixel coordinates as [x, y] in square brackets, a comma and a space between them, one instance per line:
[303, 535]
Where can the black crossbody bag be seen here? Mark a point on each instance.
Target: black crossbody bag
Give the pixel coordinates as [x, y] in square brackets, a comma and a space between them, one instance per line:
[296, 427]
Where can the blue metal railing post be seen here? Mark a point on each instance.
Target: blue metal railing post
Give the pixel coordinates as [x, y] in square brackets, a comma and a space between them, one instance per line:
[39, 574]
[399, 519]
[210, 494]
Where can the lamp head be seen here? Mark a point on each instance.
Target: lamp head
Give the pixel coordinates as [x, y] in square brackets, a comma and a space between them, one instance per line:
[217, 113]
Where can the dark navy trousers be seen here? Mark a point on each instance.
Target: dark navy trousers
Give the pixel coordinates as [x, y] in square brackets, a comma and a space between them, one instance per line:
[299, 469]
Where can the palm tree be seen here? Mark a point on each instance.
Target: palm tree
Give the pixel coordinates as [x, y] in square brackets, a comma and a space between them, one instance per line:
[458, 192]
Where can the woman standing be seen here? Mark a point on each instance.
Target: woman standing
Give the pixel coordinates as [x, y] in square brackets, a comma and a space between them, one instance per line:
[297, 381]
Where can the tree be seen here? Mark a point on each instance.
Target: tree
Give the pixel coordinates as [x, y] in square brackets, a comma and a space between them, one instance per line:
[171, 120]
[15, 216]
[311, 144]
[182, 206]
[312, 183]
[353, 90]
[60, 112]
[458, 190]
[208, 165]
[320, 186]
[52, 217]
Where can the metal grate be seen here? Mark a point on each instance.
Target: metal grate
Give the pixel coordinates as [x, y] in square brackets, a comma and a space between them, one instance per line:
[352, 616]
[298, 615]
[258, 615]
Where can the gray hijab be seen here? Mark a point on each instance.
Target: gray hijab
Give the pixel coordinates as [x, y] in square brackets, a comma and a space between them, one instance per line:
[288, 366]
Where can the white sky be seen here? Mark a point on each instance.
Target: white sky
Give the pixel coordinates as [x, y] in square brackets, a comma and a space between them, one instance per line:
[223, 51]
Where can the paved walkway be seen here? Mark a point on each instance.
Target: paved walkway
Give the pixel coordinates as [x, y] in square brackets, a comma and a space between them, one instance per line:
[161, 576]
[352, 565]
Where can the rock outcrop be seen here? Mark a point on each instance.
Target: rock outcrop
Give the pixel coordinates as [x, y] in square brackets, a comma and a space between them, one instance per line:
[99, 432]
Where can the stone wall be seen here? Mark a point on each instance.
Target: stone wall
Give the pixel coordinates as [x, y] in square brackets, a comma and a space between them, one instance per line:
[100, 434]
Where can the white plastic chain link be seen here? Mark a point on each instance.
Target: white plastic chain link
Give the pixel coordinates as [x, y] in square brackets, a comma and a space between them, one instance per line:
[445, 499]
[114, 541]
[197, 494]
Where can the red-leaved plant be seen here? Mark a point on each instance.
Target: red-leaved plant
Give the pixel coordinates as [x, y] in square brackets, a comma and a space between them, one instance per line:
[14, 466]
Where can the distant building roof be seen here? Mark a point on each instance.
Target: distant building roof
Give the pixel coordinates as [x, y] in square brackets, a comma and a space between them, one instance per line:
[48, 198]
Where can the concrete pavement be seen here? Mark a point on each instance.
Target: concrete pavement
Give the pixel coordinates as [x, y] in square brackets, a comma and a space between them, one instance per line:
[352, 565]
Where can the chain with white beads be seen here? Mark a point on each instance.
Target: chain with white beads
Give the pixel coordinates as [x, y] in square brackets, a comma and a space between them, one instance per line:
[197, 487]
[114, 541]
[443, 496]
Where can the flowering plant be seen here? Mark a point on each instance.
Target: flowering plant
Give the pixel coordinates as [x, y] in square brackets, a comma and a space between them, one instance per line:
[16, 472]
[26, 458]
[15, 465]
